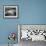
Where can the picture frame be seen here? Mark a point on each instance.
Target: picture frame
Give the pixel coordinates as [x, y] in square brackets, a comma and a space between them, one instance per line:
[32, 35]
[10, 11]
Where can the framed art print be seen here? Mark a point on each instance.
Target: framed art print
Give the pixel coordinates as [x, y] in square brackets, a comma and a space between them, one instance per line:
[32, 32]
[10, 11]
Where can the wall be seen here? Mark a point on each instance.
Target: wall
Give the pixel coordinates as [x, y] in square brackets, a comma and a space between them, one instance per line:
[30, 12]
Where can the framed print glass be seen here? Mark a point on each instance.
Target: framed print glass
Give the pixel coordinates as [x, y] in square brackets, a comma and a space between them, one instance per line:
[10, 11]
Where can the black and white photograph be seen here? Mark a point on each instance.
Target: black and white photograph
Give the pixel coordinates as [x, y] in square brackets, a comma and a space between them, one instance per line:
[33, 32]
[10, 11]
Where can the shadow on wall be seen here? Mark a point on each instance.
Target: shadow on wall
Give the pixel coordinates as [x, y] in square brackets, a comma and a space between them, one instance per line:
[34, 43]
